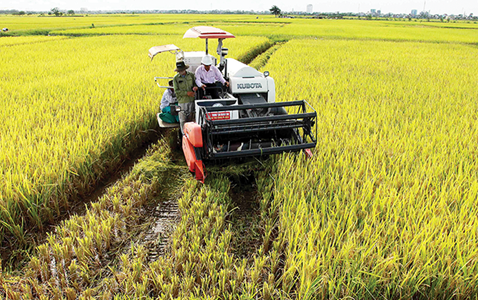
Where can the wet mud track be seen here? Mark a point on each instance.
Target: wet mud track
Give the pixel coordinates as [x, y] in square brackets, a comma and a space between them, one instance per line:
[163, 219]
[245, 214]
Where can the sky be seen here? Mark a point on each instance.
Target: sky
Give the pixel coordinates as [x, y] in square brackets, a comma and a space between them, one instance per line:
[386, 6]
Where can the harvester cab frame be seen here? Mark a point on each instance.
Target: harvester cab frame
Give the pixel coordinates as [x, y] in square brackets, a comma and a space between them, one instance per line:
[245, 121]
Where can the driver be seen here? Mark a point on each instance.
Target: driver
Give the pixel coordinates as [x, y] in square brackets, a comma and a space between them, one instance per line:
[208, 75]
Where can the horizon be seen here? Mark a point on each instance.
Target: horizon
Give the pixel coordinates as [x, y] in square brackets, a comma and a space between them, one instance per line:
[464, 7]
[262, 12]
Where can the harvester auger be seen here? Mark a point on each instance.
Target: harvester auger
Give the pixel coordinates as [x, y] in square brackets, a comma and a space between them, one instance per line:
[245, 120]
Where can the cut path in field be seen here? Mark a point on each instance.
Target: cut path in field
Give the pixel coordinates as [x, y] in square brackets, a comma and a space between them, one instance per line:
[160, 216]
[262, 59]
[245, 214]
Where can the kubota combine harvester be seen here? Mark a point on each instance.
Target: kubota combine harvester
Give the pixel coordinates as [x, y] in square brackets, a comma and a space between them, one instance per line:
[245, 120]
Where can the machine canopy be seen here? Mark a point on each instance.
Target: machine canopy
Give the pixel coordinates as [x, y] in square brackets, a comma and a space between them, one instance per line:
[207, 32]
[158, 49]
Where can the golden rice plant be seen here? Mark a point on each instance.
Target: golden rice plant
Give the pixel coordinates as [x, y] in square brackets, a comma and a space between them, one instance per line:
[376, 30]
[11, 41]
[200, 262]
[388, 205]
[69, 262]
[299, 28]
[237, 28]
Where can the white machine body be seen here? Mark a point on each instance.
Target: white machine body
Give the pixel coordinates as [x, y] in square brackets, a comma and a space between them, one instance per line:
[244, 79]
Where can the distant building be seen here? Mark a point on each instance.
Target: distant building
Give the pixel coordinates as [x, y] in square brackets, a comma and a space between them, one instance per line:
[310, 9]
[84, 10]
[414, 12]
[379, 12]
[373, 11]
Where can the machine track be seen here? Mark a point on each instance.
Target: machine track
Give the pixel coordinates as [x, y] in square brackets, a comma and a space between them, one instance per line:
[245, 214]
[160, 219]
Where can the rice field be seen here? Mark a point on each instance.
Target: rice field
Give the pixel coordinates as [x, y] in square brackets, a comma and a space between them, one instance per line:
[380, 30]
[328, 29]
[385, 209]
[12, 41]
[25, 24]
[240, 29]
[388, 204]
[67, 119]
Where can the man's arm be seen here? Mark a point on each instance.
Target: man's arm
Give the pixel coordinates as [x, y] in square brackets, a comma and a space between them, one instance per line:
[174, 99]
[195, 81]
[195, 87]
[197, 76]
[164, 100]
[219, 75]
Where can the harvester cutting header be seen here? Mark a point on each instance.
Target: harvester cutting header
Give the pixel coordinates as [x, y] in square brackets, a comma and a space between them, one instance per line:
[237, 116]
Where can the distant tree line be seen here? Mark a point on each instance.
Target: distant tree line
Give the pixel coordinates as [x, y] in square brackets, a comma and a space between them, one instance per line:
[275, 10]
[54, 11]
[10, 11]
[15, 12]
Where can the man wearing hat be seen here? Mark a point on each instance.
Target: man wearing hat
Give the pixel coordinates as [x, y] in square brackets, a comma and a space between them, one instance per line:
[184, 84]
[209, 76]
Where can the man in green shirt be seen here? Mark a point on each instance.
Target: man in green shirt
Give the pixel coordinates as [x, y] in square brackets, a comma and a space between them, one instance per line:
[184, 84]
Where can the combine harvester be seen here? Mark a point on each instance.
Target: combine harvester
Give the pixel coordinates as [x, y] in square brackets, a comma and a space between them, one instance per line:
[245, 121]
